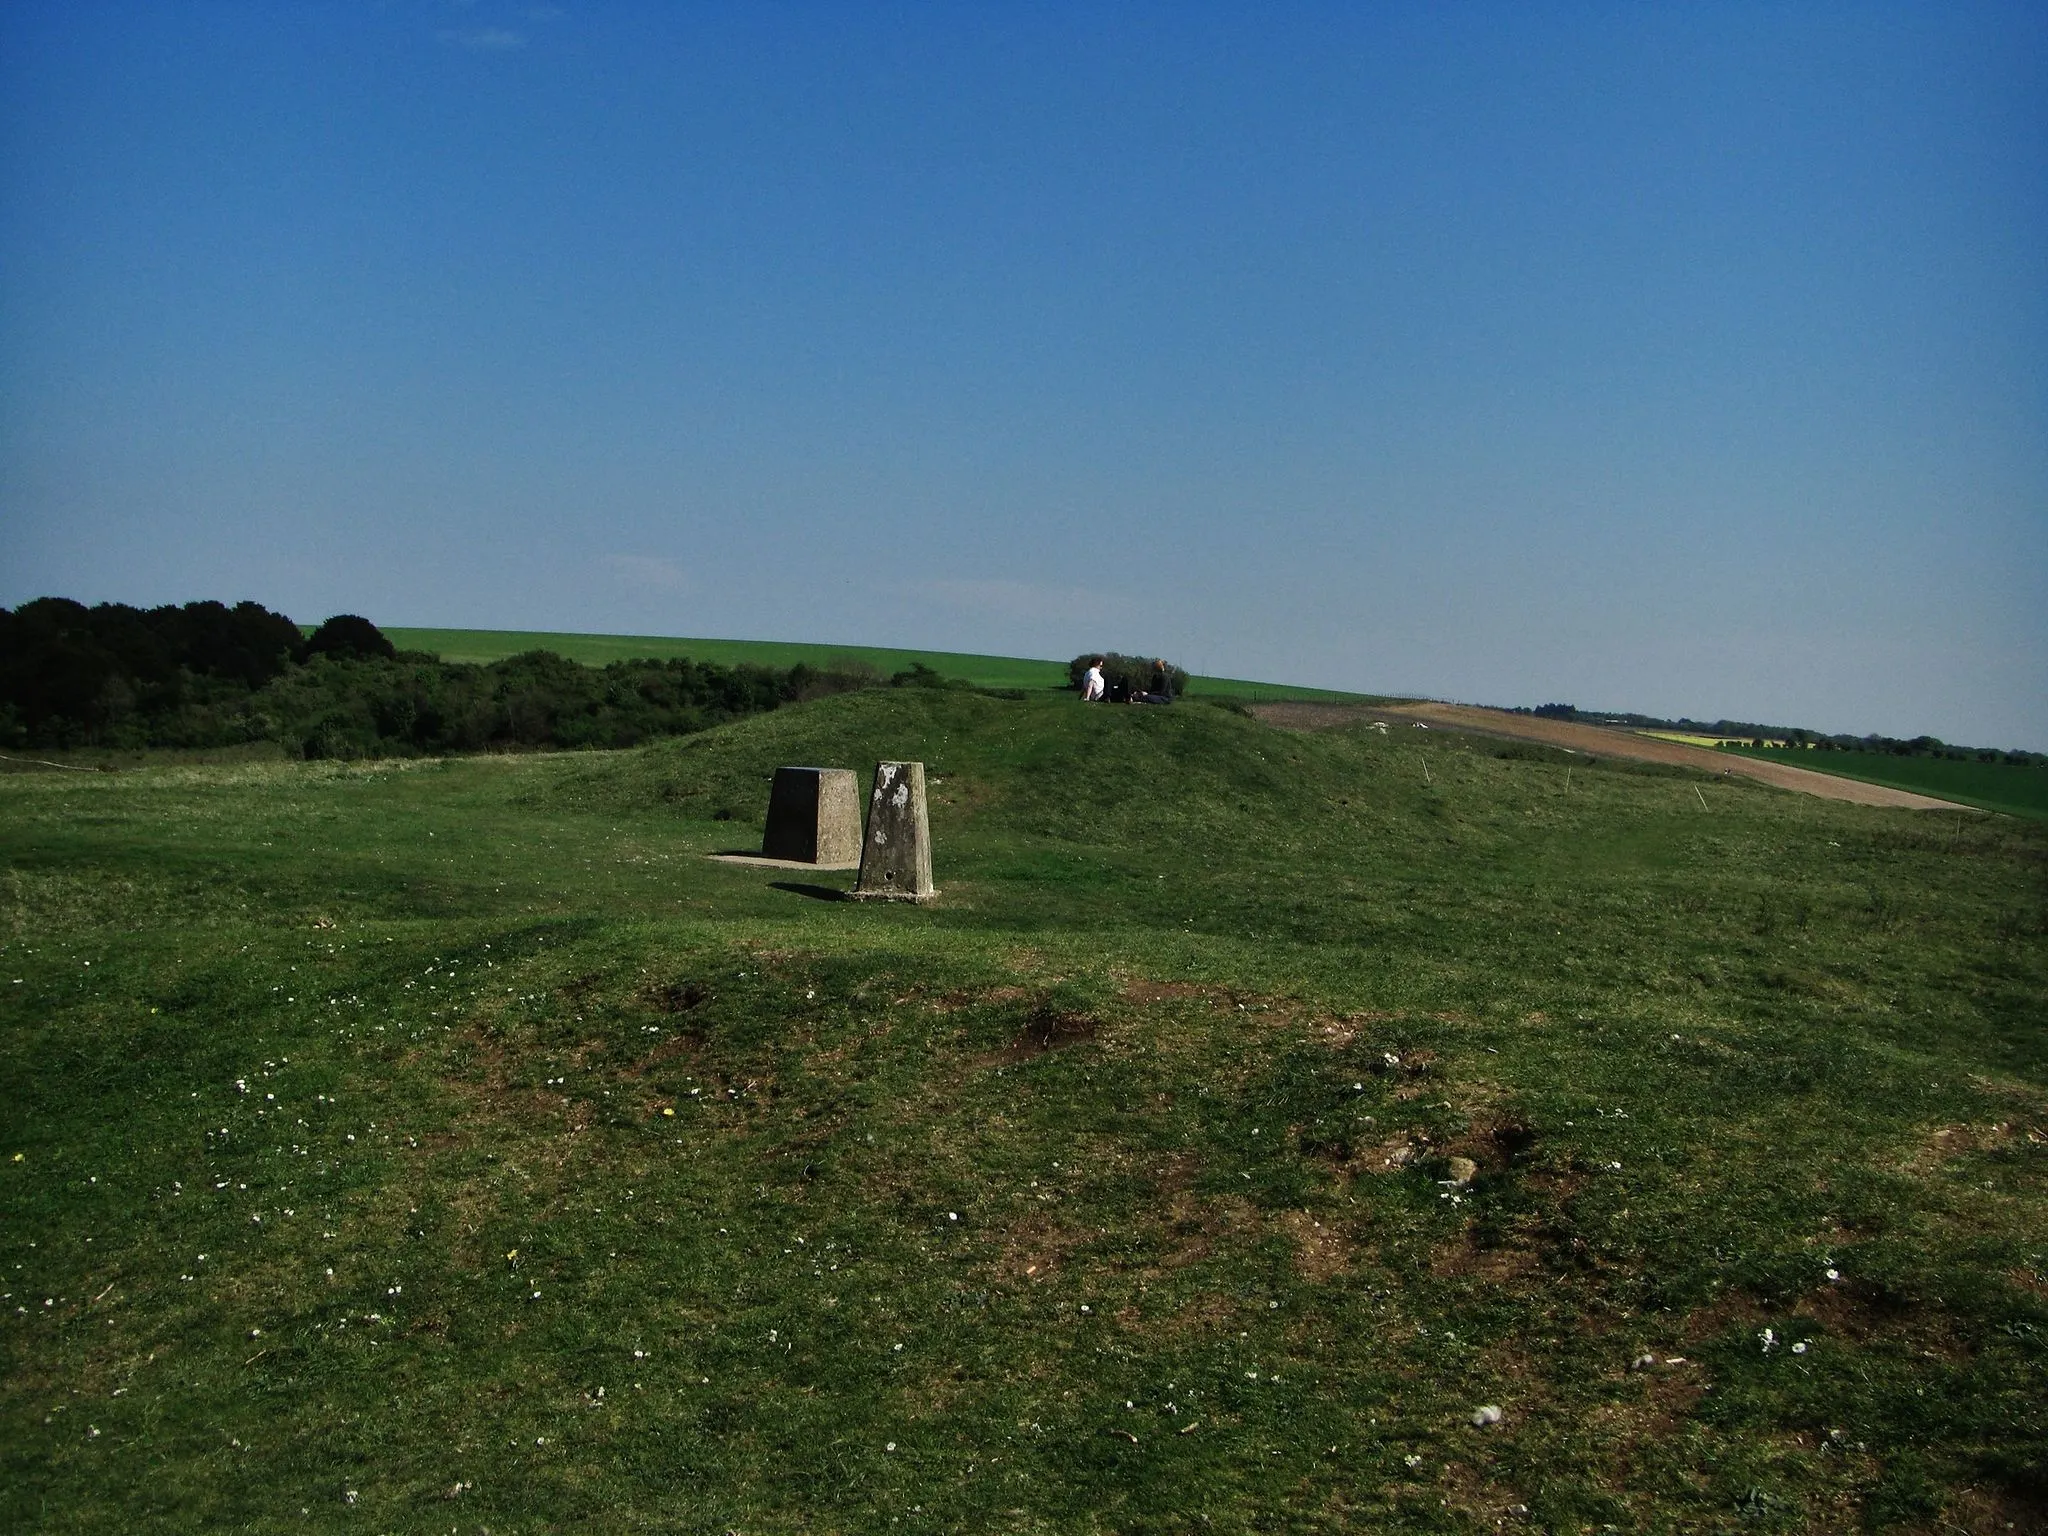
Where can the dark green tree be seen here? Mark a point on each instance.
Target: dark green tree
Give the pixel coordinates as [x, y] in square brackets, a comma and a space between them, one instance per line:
[346, 634]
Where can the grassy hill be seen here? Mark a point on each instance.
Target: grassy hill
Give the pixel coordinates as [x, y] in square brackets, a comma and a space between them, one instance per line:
[2013, 788]
[486, 645]
[403, 1146]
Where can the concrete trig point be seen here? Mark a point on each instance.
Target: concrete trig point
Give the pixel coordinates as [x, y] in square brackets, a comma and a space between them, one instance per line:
[813, 817]
[896, 854]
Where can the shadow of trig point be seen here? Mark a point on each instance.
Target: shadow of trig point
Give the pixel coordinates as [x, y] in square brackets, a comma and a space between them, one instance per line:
[896, 854]
[813, 817]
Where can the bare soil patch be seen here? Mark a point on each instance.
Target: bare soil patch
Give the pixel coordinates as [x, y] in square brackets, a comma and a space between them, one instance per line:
[1320, 1252]
[1595, 741]
[1509, 1264]
[1048, 1030]
[676, 996]
[1948, 1142]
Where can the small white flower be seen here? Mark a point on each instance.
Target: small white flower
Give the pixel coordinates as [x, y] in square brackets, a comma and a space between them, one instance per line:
[890, 1446]
[1769, 1339]
[1834, 1274]
[1800, 1347]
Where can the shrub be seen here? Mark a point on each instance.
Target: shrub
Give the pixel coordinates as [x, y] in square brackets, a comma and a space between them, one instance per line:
[918, 675]
[1126, 675]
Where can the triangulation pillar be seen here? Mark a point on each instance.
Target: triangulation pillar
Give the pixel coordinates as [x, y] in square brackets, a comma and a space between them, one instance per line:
[896, 853]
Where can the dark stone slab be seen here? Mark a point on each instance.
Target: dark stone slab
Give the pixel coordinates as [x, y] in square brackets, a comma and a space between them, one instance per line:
[813, 816]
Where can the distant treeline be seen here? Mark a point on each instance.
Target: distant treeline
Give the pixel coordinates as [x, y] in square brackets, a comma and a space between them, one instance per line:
[205, 675]
[1794, 736]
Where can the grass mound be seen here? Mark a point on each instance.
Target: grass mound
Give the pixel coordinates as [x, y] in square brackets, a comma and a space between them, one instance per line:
[403, 1146]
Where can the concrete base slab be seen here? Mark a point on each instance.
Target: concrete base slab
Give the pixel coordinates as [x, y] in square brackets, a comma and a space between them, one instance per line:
[758, 862]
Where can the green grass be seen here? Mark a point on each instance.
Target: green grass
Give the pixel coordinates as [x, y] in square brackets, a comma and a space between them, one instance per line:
[2015, 789]
[486, 645]
[1104, 1195]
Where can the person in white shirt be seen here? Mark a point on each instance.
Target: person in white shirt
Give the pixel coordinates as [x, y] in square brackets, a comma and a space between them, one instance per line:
[1092, 687]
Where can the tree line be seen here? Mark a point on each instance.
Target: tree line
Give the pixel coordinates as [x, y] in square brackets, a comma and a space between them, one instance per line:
[1796, 737]
[206, 675]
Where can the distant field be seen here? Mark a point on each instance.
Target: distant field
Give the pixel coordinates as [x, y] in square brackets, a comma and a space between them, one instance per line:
[1685, 738]
[1694, 739]
[2007, 787]
[484, 645]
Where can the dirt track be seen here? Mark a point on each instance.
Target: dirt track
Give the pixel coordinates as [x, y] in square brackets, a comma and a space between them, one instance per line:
[1597, 741]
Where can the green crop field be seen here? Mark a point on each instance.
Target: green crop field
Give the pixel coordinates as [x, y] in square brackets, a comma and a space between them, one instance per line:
[483, 645]
[2014, 788]
[446, 1145]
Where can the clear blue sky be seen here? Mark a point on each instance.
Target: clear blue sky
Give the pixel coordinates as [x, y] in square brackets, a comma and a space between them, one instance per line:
[1689, 359]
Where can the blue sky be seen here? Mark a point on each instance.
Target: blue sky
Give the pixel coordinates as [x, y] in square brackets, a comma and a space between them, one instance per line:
[1689, 359]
